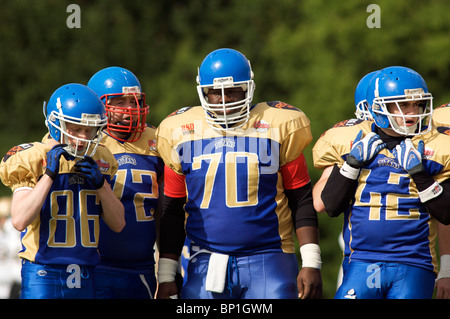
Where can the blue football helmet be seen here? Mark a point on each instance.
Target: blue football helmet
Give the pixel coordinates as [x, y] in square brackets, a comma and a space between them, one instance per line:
[220, 70]
[394, 85]
[77, 104]
[362, 110]
[115, 82]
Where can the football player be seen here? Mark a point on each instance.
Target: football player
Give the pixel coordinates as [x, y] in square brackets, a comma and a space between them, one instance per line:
[390, 178]
[60, 190]
[442, 122]
[362, 113]
[238, 171]
[127, 267]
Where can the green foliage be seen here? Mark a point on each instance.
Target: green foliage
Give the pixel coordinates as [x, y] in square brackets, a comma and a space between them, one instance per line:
[308, 53]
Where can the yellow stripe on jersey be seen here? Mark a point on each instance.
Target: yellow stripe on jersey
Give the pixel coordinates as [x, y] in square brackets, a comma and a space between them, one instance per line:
[432, 224]
[285, 225]
[31, 240]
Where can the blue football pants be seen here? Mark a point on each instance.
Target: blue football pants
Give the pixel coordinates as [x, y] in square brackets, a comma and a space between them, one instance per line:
[56, 282]
[113, 283]
[382, 280]
[259, 276]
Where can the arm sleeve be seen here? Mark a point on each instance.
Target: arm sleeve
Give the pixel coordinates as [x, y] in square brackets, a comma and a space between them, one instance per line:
[438, 206]
[298, 190]
[300, 202]
[338, 192]
[172, 233]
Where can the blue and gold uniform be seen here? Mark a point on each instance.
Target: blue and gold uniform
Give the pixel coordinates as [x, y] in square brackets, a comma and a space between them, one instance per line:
[234, 181]
[136, 184]
[386, 221]
[67, 229]
[236, 203]
[63, 239]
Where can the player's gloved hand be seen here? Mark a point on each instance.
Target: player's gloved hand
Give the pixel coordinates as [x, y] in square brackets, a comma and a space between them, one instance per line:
[409, 157]
[364, 149]
[53, 157]
[90, 170]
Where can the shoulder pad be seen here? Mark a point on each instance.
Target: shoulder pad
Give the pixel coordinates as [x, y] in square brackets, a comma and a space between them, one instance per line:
[179, 111]
[443, 105]
[16, 149]
[282, 105]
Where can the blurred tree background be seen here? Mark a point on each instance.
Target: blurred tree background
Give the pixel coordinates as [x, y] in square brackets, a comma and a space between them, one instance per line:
[309, 53]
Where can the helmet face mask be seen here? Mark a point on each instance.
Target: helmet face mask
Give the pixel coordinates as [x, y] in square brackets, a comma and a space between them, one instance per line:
[226, 115]
[398, 121]
[223, 72]
[362, 111]
[126, 121]
[394, 87]
[75, 105]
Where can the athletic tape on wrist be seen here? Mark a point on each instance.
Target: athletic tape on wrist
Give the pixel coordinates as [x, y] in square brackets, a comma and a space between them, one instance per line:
[431, 192]
[349, 172]
[444, 269]
[167, 270]
[310, 254]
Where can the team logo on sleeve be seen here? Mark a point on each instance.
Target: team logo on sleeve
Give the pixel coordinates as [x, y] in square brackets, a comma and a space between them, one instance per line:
[349, 122]
[17, 149]
[443, 130]
[282, 105]
[179, 111]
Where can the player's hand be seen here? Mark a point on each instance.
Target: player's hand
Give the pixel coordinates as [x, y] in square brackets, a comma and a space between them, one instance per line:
[443, 288]
[90, 170]
[167, 290]
[409, 157]
[364, 149]
[309, 283]
[53, 157]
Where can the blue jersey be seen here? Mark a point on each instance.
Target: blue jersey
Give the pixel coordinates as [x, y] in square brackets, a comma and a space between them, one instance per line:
[386, 221]
[136, 185]
[67, 228]
[235, 197]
